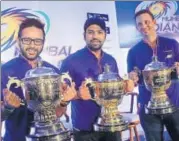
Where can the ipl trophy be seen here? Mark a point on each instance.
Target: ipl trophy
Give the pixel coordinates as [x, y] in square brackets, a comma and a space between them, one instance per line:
[157, 79]
[41, 87]
[108, 91]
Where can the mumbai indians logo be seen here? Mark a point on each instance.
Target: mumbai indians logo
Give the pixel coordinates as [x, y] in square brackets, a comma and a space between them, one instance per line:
[159, 8]
[11, 18]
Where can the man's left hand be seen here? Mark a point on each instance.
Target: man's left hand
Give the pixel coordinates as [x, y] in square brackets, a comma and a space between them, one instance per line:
[177, 67]
[129, 85]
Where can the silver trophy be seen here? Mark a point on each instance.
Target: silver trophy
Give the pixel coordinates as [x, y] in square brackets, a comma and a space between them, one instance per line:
[157, 79]
[41, 87]
[108, 91]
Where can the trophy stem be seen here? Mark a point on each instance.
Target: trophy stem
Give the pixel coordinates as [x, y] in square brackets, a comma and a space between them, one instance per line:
[160, 103]
[110, 109]
[110, 118]
[45, 114]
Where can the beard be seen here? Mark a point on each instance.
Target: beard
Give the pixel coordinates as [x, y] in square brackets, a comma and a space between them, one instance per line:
[25, 54]
[93, 47]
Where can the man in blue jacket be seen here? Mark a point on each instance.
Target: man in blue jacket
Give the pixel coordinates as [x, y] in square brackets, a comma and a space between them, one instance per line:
[85, 63]
[140, 55]
[31, 38]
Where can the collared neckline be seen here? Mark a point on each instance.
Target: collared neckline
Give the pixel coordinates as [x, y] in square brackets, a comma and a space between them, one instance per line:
[24, 60]
[90, 52]
[156, 49]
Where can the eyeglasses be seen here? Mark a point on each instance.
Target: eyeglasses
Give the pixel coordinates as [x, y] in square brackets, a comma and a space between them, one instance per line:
[28, 41]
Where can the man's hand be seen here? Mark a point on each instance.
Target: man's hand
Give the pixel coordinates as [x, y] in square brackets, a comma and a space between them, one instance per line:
[60, 111]
[129, 85]
[83, 92]
[134, 76]
[177, 67]
[11, 99]
[68, 92]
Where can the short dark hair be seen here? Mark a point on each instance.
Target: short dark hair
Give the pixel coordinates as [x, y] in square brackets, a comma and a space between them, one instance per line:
[29, 22]
[143, 11]
[97, 21]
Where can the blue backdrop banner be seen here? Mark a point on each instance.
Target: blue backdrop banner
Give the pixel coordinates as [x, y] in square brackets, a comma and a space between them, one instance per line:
[166, 14]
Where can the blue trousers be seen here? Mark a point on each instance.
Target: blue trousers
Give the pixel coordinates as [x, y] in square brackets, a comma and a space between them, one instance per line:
[96, 136]
[153, 125]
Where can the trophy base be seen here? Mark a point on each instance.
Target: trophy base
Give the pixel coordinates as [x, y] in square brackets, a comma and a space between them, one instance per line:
[59, 137]
[160, 111]
[51, 131]
[111, 127]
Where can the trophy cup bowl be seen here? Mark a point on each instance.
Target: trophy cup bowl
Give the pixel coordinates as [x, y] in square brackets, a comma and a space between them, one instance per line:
[108, 92]
[41, 88]
[157, 79]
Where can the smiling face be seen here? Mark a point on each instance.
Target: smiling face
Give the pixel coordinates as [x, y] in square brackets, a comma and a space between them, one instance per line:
[94, 37]
[145, 24]
[31, 42]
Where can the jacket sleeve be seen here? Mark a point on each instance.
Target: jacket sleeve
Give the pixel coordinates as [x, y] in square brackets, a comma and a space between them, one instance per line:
[116, 67]
[4, 81]
[130, 61]
[65, 66]
[176, 48]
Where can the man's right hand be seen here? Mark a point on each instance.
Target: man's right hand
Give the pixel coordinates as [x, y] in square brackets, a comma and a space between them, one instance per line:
[84, 92]
[69, 92]
[134, 76]
[177, 67]
[11, 99]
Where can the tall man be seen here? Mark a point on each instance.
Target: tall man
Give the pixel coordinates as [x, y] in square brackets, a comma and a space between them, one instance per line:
[167, 51]
[85, 63]
[31, 38]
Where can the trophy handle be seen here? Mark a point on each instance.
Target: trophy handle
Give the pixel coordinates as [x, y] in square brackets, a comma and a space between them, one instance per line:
[174, 73]
[90, 84]
[65, 78]
[19, 83]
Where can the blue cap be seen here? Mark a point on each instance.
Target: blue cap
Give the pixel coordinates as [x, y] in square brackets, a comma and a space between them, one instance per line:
[96, 21]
